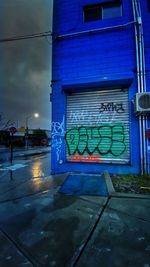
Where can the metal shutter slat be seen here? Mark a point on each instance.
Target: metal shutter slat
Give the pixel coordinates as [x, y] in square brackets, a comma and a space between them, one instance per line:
[98, 126]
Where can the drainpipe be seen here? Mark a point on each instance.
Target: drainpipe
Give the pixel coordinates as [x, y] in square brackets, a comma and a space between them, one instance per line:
[148, 161]
[143, 89]
[145, 120]
[138, 83]
[140, 58]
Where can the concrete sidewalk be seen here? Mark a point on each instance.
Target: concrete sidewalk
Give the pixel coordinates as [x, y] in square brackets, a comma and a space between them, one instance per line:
[41, 227]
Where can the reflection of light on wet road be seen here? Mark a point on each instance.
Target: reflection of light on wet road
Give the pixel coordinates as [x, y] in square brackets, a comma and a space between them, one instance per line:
[37, 183]
[37, 170]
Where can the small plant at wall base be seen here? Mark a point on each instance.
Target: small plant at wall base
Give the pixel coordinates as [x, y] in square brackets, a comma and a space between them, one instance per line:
[139, 184]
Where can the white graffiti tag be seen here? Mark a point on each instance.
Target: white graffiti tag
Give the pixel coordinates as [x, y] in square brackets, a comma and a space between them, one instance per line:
[58, 128]
[57, 143]
[91, 118]
[58, 133]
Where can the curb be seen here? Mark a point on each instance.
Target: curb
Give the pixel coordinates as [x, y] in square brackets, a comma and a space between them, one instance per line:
[113, 193]
[109, 183]
[130, 195]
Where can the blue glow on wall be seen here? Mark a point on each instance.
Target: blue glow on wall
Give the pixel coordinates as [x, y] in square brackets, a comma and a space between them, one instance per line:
[87, 56]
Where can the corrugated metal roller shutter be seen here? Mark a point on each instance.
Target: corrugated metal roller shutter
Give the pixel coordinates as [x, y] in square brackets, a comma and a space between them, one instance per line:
[98, 126]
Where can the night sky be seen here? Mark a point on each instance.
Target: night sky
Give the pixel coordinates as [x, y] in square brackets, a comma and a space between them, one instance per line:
[25, 69]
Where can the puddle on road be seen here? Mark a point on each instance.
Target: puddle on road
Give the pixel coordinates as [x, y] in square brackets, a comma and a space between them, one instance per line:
[31, 168]
[37, 170]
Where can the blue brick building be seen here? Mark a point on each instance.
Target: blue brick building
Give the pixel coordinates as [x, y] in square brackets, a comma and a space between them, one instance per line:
[100, 86]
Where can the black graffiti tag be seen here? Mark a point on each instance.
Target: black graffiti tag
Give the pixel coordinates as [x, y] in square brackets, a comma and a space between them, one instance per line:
[117, 107]
[103, 140]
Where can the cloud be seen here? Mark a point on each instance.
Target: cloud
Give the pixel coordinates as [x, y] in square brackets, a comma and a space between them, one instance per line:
[26, 69]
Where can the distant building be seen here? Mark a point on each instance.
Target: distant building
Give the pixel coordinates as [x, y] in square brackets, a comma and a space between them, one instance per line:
[4, 138]
[101, 86]
[34, 137]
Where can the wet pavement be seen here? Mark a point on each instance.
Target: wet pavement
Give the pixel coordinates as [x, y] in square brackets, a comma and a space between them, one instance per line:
[26, 168]
[41, 227]
[122, 236]
[46, 229]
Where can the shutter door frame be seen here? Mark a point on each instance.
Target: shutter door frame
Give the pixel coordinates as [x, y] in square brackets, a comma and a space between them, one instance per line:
[97, 126]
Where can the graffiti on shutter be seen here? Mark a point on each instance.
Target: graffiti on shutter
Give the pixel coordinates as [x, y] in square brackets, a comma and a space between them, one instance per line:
[98, 127]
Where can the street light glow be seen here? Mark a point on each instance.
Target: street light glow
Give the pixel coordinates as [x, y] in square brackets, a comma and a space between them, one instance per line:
[36, 115]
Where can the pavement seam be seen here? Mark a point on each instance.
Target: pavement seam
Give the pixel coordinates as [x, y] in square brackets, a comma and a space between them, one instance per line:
[24, 252]
[83, 246]
[90, 201]
[28, 195]
[127, 214]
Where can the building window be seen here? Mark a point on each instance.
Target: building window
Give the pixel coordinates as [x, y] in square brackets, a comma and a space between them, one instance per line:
[92, 13]
[148, 4]
[102, 11]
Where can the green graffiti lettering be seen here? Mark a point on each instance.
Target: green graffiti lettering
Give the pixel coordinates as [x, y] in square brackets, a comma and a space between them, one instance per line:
[103, 140]
[82, 140]
[93, 139]
[72, 138]
[118, 145]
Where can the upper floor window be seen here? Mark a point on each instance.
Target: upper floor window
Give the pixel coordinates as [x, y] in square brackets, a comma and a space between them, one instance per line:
[148, 3]
[102, 11]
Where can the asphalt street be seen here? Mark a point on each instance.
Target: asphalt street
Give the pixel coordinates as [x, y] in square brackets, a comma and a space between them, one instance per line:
[28, 166]
[5, 153]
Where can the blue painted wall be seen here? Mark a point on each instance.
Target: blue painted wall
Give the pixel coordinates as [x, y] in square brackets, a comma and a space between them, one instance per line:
[93, 60]
[146, 24]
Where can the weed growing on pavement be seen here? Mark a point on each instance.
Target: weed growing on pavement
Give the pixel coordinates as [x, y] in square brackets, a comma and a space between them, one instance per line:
[130, 183]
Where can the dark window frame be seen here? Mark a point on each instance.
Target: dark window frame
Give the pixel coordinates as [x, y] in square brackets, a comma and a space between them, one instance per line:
[90, 8]
[148, 5]
[100, 7]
